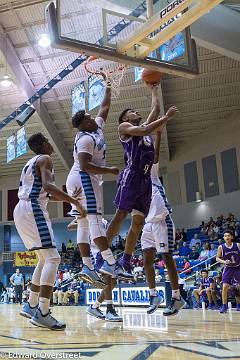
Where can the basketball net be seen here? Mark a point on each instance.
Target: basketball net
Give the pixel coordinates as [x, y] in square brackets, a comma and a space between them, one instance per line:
[111, 74]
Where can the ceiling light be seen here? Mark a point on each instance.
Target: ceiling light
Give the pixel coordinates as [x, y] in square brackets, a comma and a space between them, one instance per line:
[44, 40]
[6, 81]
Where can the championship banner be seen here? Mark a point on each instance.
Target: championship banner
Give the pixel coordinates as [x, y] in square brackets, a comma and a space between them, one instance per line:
[25, 258]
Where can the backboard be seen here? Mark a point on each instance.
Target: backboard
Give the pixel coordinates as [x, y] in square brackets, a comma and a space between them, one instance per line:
[133, 32]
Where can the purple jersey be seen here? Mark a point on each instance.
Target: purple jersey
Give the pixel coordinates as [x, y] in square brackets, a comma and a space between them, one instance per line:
[206, 282]
[139, 154]
[232, 254]
[134, 182]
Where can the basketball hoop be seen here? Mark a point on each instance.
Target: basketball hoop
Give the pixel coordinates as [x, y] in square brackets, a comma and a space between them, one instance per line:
[111, 73]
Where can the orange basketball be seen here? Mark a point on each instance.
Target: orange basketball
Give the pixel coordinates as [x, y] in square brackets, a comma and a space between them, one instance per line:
[151, 76]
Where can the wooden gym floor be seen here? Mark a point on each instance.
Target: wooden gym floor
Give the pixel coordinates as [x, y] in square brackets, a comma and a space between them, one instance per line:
[193, 334]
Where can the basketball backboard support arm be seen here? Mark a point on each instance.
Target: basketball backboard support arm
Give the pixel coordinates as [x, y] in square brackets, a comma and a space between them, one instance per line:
[141, 37]
[110, 53]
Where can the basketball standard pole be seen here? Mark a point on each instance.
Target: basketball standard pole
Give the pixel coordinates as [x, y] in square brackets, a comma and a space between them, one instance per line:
[149, 8]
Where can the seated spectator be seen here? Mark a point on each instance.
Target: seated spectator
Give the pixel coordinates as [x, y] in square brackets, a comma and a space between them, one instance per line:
[178, 236]
[70, 245]
[216, 228]
[64, 249]
[206, 287]
[204, 254]
[194, 254]
[137, 268]
[58, 293]
[213, 236]
[184, 234]
[202, 227]
[220, 241]
[73, 290]
[139, 276]
[185, 250]
[194, 241]
[213, 250]
[140, 260]
[66, 275]
[160, 264]
[219, 221]
[158, 277]
[187, 267]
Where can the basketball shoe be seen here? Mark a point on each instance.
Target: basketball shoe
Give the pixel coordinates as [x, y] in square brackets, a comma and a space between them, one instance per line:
[155, 301]
[96, 312]
[174, 307]
[46, 321]
[28, 311]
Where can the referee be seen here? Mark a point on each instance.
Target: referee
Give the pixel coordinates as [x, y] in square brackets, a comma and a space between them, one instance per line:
[18, 282]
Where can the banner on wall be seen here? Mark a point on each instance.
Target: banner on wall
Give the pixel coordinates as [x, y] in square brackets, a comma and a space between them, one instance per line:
[93, 294]
[25, 258]
[139, 295]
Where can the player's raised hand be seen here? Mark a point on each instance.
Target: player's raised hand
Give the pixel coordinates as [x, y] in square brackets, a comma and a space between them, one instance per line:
[171, 112]
[113, 170]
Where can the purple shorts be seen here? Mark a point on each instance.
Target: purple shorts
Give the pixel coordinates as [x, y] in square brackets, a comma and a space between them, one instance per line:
[134, 192]
[230, 274]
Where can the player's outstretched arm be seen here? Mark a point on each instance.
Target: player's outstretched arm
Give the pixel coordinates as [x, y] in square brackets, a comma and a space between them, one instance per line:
[127, 129]
[86, 164]
[105, 106]
[157, 144]
[44, 164]
[155, 108]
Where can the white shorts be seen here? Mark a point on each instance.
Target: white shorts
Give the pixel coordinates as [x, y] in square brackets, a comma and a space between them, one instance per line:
[91, 197]
[33, 225]
[159, 235]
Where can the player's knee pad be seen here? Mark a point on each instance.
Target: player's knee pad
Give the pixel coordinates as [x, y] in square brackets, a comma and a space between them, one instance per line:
[96, 226]
[49, 271]
[83, 231]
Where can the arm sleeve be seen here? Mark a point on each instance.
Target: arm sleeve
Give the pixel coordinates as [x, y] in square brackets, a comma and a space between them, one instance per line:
[85, 144]
[100, 122]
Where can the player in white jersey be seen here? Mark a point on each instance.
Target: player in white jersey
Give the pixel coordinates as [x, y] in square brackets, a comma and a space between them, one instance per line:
[89, 166]
[158, 237]
[34, 227]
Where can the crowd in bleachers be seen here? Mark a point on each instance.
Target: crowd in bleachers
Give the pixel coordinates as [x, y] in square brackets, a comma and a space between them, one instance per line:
[195, 249]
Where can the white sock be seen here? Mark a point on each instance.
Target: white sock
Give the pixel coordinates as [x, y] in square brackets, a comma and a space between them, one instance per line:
[176, 294]
[87, 261]
[108, 301]
[108, 256]
[153, 292]
[44, 304]
[33, 298]
[96, 305]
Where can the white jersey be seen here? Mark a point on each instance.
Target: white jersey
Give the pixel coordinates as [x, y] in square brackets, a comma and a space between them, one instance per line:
[92, 143]
[159, 207]
[31, 217]
[30, 188]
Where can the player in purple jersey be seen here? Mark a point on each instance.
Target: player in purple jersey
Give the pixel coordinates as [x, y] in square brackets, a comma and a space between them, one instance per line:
[229, 255]
[134, 184]
[205, 288]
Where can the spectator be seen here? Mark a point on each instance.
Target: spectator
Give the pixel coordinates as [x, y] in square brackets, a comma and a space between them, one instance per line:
[66, 275]
[187, 267]
[185, 250]
[204, 254]
[194, 254]
[73, 290]
[184, 235]
[70, 245]
[195, 240]
[139, 276]
[178, 236]
[220, 241]
[198, 248]
[140, 260]
[206, 287]
[138, 268]
[160, 264]
[64, 249]
[157, 276]
[58, 293]
[18, 282]
[213, 236]
[213, 250]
